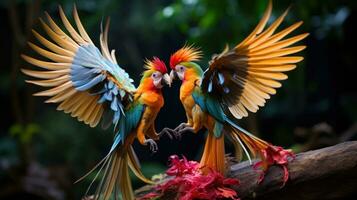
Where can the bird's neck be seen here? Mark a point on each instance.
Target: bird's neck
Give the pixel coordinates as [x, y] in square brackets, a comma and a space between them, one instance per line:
[147, 84]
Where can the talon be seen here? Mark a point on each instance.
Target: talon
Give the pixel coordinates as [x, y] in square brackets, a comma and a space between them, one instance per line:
[167, 131]
[186, 129]
[180, 127]
[178, 135]
[153, 145]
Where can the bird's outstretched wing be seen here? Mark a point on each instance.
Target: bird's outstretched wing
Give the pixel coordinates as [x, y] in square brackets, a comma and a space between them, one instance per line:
[85, 82]
[243, 78]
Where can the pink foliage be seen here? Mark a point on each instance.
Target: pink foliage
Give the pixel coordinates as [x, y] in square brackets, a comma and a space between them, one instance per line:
[190, 183]
[275, 155]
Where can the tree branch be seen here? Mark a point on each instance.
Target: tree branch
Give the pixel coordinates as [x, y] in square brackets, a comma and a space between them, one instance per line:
[327, 173]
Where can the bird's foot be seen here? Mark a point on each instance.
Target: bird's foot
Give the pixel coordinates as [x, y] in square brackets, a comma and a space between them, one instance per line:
[181, 126]
[153, 145]
[169, 132]
[184, 130]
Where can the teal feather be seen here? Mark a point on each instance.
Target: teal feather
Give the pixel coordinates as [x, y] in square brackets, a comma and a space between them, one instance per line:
[128, 122]
[199, 99]
[214, 108]
[218, 127]
[209, 105]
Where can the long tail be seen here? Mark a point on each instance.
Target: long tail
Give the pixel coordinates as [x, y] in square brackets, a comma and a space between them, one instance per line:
[116, 175]
[269, 154]
[135, 167]
[213, 154]
[246, 141]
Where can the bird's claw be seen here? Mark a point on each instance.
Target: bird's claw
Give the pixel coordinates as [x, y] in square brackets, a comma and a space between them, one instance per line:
[181, 126]
[178, 134]
[153, 145]
[169, 132]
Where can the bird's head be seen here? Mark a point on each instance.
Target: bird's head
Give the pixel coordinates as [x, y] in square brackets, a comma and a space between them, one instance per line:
[156, 73]
[182, 63]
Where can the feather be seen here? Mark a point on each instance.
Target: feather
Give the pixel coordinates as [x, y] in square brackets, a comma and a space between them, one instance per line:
[53, 47]
[220, 78]
[259, 28]
[55, 90]
[277, 53]
[50, 55]
[67, 103]
[269, 75]
[58, 39]
[80, 27]
[70, 28]
[62, 96]
[262, 37]
[210, 86]
[59, 31]
[276, 37]
[99, 78]
[92, 117]
[50, 82]
[45, 74]
[277, 68]
[46, 65]
[283, 43]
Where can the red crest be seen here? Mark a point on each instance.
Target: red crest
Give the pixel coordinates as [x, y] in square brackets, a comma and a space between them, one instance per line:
[187, 53]
[157, 65]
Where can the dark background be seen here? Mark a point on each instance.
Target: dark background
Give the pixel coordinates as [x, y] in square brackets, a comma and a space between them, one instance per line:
[43, 151]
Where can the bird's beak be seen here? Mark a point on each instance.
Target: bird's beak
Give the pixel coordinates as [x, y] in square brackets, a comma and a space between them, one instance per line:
[167, 79]
[173, 75]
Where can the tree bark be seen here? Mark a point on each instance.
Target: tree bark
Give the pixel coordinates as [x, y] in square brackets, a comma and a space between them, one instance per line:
[328, 173]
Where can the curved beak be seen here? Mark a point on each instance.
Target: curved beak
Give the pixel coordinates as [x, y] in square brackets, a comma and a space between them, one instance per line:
[172, 75]
[167, 79]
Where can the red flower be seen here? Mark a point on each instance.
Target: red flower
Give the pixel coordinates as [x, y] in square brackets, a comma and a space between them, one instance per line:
[275, 155]
[180, 167]
[189, 182]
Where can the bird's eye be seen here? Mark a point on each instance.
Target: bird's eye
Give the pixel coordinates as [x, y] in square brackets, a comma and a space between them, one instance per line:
[180, 68]
[156, 75]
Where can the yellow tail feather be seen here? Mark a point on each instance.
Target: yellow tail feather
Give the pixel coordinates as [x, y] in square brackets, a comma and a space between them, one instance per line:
[254, 144]
[135, 166]
[116, 176]
[213, 154]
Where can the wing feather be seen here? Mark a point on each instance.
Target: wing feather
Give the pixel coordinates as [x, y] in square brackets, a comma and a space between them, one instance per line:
[78, 77]
[253, 69]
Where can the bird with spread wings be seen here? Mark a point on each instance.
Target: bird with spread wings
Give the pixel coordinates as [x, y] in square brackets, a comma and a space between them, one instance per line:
[88, 84]
[237, 81]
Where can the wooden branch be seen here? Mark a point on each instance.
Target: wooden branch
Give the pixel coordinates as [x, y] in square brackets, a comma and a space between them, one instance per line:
[328, 173]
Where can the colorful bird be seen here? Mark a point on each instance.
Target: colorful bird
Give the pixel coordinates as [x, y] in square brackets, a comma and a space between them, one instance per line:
[91, 86]
[237, 80]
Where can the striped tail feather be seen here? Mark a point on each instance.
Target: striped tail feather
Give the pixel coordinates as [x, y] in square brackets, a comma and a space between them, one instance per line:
[213, 157]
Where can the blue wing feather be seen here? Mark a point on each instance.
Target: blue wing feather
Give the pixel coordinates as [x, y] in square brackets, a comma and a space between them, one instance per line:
[128, 123]
[87, 73]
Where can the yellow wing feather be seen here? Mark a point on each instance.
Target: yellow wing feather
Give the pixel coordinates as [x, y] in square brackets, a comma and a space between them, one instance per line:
[253, 68]
[61, 51]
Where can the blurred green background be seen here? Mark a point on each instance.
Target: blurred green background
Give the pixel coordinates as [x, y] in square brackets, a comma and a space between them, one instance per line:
[42, 151]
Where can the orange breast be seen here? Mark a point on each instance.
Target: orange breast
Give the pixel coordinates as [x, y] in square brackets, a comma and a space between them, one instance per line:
[186, 89]
[153, 99]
